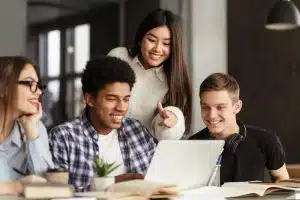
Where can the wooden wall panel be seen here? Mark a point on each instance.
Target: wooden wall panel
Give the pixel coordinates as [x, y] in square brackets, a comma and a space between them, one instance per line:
[267, 67]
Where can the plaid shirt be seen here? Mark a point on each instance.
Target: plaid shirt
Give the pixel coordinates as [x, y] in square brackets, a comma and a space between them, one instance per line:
[75, 143]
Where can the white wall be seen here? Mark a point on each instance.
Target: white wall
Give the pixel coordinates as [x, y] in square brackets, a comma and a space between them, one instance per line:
[205, 38]
[173, 5]
[13, 15]
[208, 46]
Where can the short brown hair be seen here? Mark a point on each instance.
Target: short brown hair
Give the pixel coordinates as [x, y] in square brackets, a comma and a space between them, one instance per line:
[221, 81]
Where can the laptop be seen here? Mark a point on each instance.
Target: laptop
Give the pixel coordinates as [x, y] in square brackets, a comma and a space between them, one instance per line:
[185, 163]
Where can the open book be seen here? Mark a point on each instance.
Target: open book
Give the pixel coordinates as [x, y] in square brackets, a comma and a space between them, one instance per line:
[134, 189]
[258, 188]
[238, 189]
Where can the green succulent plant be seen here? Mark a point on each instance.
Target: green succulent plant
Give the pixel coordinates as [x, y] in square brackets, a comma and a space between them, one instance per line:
[103, 168]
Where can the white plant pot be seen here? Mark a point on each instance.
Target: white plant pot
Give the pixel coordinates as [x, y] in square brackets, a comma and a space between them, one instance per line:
[101, 183]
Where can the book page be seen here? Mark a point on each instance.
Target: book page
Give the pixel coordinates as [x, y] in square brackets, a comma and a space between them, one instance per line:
[101, 195]
[226, 191]
[143, 188]
[206, 192]
[258, 188]
[246, 188]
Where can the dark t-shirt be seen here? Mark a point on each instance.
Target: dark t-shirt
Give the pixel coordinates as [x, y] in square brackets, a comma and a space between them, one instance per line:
[259, 149]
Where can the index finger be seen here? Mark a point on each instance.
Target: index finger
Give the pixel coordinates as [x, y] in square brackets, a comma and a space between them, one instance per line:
[160, 107]
[163, 112]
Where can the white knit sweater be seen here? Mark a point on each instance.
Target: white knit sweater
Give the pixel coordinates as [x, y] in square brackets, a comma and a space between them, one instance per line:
[150, 87]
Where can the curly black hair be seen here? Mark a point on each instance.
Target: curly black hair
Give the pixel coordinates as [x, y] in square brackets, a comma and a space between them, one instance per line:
[105, 70]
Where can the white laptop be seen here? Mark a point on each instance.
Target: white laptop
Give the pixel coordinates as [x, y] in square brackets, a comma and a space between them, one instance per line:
[185, 163]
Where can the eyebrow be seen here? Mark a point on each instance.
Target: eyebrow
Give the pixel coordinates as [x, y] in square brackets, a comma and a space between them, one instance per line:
[218, 104]
[151, 34]
[116, 96]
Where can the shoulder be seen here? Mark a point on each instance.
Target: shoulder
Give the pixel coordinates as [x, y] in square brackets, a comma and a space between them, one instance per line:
[264, 138]
[133, 127]
[201, 135]
[120, 52]
[130, 123]
[270, 145]
[67, 128]
[259, 133]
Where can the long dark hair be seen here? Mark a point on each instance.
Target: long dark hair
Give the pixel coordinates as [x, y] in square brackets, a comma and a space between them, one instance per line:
[10, 70]
[175, 68]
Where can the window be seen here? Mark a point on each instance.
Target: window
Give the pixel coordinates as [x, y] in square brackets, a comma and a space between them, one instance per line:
[62, 57]
[82, 46]
[53, 53]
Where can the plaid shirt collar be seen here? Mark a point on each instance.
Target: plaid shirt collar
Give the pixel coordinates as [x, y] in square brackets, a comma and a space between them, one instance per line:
[88, 129]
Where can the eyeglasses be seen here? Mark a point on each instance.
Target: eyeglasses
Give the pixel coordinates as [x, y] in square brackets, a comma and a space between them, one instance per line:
[33, 85]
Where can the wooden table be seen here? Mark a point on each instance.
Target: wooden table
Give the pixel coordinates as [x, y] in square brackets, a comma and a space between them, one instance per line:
[294, 170]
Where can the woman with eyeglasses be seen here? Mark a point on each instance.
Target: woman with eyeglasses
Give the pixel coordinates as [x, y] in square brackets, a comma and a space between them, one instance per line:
[24, 147]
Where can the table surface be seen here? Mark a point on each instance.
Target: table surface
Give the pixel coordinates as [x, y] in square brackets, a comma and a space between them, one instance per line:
[277, 196]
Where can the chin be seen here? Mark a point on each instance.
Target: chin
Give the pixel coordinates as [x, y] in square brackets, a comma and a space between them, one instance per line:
[215, 131]
[219, 135]
[115, 126]
[29, 111]
[154, 63]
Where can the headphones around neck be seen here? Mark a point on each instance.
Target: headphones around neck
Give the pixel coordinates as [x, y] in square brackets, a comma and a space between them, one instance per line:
[234, 140]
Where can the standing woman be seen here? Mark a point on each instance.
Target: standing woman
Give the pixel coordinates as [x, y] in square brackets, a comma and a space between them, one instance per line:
[24, 147]
[161, 98]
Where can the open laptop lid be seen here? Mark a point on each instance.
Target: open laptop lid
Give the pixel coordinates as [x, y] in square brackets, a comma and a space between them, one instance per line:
[185, 163]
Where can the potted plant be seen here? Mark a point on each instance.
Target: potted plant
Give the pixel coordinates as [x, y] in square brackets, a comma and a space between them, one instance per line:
[102, 170]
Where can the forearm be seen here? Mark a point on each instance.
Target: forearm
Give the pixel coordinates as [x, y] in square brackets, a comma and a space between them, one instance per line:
[161, 132]
[280, 174]
[32, 133]
[36, 146]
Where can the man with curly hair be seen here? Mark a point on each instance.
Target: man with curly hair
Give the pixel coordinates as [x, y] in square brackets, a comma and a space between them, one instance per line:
[102, 129]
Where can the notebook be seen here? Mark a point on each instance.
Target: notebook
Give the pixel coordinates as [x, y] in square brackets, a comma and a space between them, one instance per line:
[186, 163]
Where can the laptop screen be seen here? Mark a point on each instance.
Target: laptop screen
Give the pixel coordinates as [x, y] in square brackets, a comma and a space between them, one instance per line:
[185, 163]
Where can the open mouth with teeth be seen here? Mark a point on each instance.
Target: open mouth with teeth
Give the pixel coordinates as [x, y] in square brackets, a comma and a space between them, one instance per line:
[117, 118]
[155, 56]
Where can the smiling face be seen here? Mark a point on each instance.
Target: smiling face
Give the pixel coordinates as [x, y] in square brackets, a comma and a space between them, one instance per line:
[27, 101]
[156, 46]
[218, 112]
[109, 107]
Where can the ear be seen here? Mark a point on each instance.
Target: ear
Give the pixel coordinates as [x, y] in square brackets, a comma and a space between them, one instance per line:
[89, 99]
[238, 106]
